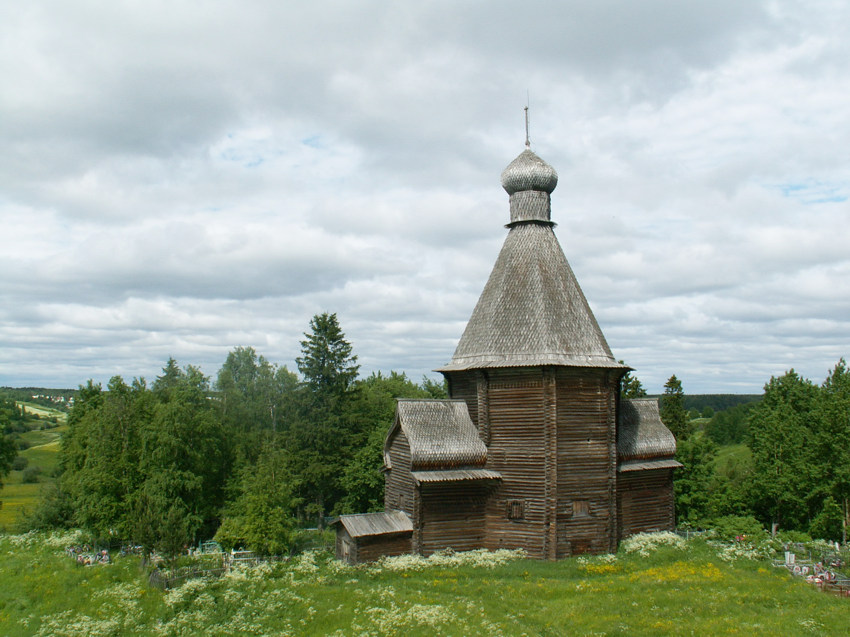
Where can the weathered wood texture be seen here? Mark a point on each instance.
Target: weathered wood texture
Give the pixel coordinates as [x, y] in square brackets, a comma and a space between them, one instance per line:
[370, 548]
[645, 501]
[452, 516]
[399, 485]
[552, 436]
[586, 445]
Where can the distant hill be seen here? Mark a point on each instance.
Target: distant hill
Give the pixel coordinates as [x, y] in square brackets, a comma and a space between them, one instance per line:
[718, 402]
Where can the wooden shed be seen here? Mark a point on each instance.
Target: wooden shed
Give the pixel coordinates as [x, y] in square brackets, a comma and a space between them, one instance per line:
[534, 449]
[365, 537]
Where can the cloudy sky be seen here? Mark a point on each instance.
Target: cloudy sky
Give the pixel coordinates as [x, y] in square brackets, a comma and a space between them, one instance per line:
[181, 178]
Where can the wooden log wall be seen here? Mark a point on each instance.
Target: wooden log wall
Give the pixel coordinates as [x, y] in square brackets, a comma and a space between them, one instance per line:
[586, 448]
[346, 549]
[399, 485]
[645, 501]
[371, 548]
[516, 510]
[452, 516]
[464, 385]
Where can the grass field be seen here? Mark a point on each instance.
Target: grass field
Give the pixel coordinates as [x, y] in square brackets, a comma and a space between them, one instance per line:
[691, 589]
[18, 497]
[732, 459]
[44, 412]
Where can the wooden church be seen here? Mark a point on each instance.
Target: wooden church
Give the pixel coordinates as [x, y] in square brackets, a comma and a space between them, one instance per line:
[535, 449]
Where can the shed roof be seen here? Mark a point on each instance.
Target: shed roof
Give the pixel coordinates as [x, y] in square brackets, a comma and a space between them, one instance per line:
[641, 434]
[644, 465]
[382, 523]
[455, 475]
[440, 434]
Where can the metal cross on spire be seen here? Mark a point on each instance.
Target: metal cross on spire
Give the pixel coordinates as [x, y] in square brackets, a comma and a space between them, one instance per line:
[527, 140]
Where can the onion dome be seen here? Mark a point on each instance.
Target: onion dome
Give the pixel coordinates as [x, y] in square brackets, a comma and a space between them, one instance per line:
[529, 172]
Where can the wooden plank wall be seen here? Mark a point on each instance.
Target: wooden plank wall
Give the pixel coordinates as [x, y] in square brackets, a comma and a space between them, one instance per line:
[517, 450]
[371, 548]
[452, 516]
[346, 548]
[464, 385]
[552, 436]
[645, 501]
[586, 461]
[399, 485]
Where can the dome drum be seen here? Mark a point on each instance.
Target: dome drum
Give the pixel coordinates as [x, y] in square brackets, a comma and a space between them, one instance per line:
[531, 205]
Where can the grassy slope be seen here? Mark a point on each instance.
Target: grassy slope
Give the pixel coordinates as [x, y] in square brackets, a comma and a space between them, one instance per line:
[17, 496]
[679, 592]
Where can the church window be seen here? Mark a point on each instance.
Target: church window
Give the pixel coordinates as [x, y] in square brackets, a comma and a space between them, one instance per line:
[516, 510]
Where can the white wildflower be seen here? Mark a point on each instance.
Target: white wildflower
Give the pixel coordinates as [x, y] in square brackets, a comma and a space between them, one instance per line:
[646, 543]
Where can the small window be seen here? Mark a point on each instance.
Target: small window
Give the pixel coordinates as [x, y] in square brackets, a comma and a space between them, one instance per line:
[516, 510]
[581, 508]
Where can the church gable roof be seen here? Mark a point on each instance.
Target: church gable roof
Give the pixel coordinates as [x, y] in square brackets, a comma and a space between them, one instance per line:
[440, 433]
[641, 435]
[532, 311]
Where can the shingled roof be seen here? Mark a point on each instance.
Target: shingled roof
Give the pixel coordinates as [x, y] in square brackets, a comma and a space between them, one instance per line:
[382, 523]
[440, 434]
[642, 437]
[532, 310]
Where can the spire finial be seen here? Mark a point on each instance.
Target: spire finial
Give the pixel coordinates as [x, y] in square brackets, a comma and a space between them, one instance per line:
[527, 140]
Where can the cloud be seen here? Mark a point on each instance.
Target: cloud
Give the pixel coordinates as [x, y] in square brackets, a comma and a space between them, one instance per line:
[178, 182]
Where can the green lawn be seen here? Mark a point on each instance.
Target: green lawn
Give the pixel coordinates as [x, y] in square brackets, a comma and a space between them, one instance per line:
[688, 590]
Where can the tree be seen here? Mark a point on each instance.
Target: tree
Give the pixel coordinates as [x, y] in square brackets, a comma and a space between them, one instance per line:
[8, 451]
[691, 487]
[262, 517]
[630, 386]
[183, 461]
[7, 455]
[326, 434]
[256, 398]
[673, 413]
[782, 490]
[729, 427]
[146, 464]
[832, 440]
[10, 413]
[100, 455]
[326, 362]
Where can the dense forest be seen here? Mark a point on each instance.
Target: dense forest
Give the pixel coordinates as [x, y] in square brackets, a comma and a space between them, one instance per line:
[260, 451]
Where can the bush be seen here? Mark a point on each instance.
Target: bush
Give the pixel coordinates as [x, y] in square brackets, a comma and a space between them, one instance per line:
[793, 537]
[54, 510]
[19, 463]
[22, 444]
[827, 523]
[30, 475]
[730, 527]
